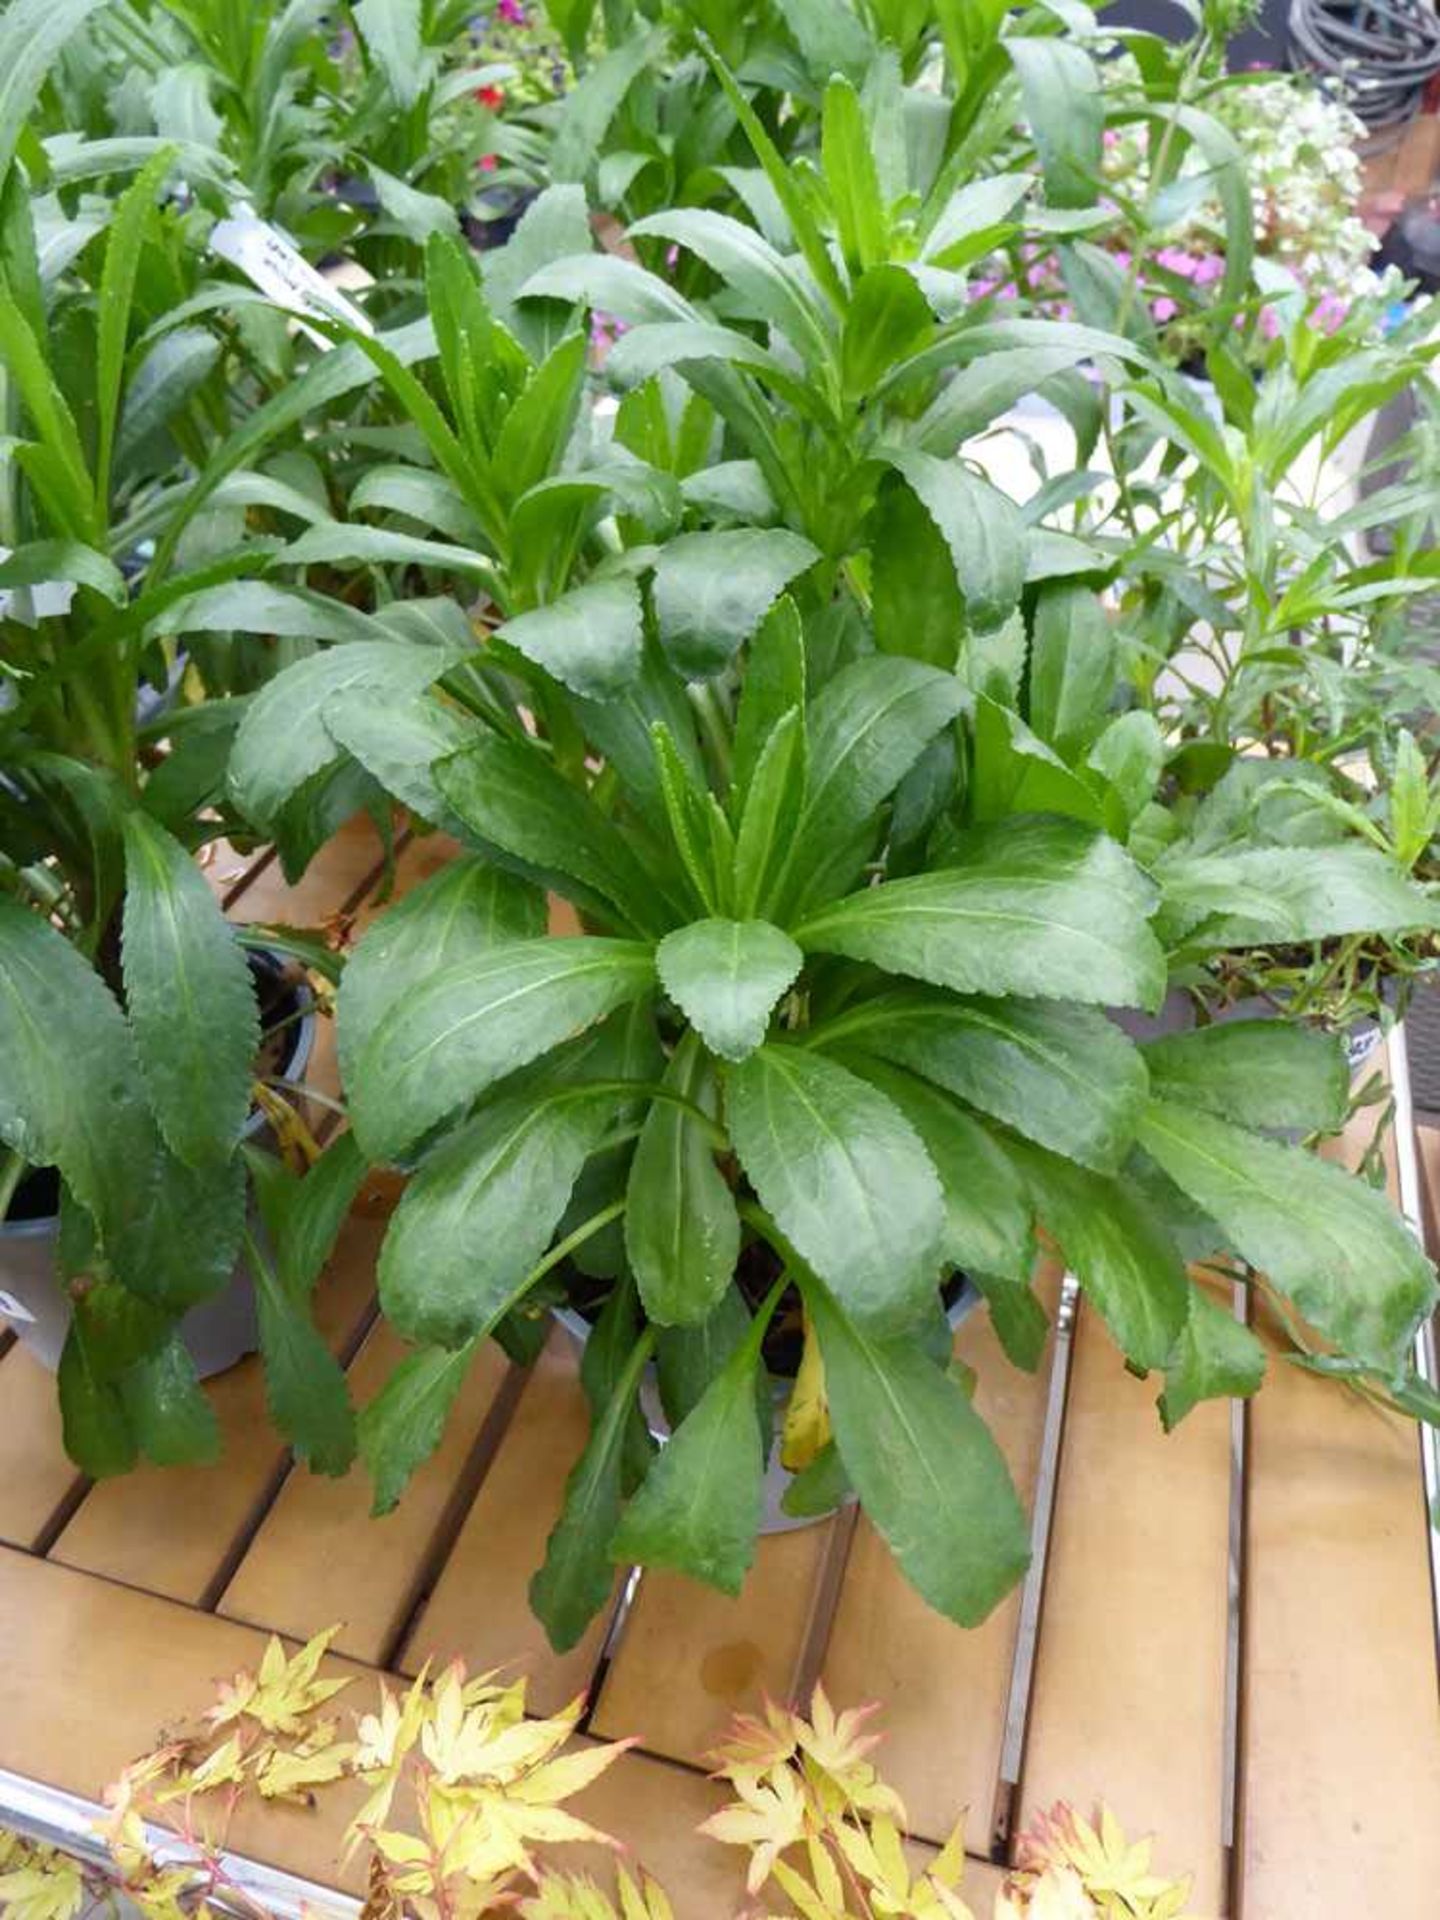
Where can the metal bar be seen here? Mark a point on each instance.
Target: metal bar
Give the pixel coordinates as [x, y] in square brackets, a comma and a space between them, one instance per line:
[1027, 1634]
[1234, 1588]
[65, 1820]
[1427, 1360]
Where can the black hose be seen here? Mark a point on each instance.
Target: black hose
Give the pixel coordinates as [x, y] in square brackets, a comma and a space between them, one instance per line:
[1380, 54]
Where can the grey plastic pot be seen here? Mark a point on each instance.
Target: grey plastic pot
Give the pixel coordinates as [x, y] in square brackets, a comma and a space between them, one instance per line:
[774, 1518]
[217, 1333]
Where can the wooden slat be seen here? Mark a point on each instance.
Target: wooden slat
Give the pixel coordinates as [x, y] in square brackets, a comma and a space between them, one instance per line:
[169, 1529]
[943, 1688]
[36, 1477]
[480, 1608]
[1341, 1733]
[690, 1657]
[319, 1558]
[1129, 1694]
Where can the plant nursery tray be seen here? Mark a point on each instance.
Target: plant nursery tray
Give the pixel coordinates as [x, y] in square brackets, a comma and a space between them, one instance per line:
[1231, 1639]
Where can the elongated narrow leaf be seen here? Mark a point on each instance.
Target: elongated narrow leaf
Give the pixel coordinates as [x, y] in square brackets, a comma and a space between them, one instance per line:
[1259, 1073]
[929, 1475]
[481, 1211]
[392, 31]
[1037, 907]
[774, 683]
[472, 1022]
[1269, 894]
[190, 996]
[512, 797]
[866, 730]
[766, 282]
[700, 1507]
[682, 1232]
[41, 562]
[320, 1208]
[283, 740]
[1072, 665]
[726, 976]
[712, 590]
[304, 1383]
[917, 605]
[173, 1423]
[775, 797]
[403, 1425]
[578, 1577]
[93, 1421]
[398, 743]
[1334, 1245]
[987, 1208]
[71, 1096]
[133, 216]
[592, 639]
[32, 32]
[1066, 110]
[1216, 1356]
[982, 528]
[846, 1177]
[850, 175]
[466, 908]
[260, 607]
[1118, 1250]
[1060, 1074]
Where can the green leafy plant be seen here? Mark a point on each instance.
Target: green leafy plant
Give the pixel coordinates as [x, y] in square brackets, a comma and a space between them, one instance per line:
[129, 1023]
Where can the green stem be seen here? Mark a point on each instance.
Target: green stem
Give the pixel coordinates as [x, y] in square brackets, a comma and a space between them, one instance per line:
[12, 1172]
[564, 1248]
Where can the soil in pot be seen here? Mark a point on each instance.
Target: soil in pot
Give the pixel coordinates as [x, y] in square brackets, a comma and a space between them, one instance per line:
[222, 1330]
[758, 1269]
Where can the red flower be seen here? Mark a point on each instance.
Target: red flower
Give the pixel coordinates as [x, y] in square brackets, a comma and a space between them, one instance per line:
[488, 162]
[491, 97]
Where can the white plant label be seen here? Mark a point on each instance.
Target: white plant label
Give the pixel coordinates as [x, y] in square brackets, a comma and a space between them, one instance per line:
[273, 264]
[11, 1309]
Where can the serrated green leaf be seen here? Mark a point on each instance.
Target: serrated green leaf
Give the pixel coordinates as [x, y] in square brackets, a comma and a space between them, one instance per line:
[848, 164]
[845, 1176]
[591, 639]
[172, 1422]
[1266, 895]
[1215, 1357]
[1336, 1247]
[190, 997]
[982, 528]
[1259, 1073]
[577, 1578]
[1072, 665]
[398, 742]
[929, 1475]
[1036, 907]
[712, 590]
[699, 1510]
[481, 1211]
[405, 1422]
[1065, 107]
[1060, 1074]
[93, 1421]
[513, 798]
[987, 1208]
[283, 740]
[470, 1023]
[1118, 1250]
[727, 976]
[305, 1386]
[774, 682]
[465, 908]
[682, 1233]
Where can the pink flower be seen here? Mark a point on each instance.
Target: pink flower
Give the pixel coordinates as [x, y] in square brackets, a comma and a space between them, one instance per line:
[1164, 309]
[1112, 136]
[1176, 260]
[1209, 269]
[512, 11]
[488, 162]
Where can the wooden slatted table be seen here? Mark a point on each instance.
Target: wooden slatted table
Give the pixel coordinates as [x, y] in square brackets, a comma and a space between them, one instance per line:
[1197, 1627]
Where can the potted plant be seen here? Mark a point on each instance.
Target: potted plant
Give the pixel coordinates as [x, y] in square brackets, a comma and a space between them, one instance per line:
[841, 804]
[134, 1025]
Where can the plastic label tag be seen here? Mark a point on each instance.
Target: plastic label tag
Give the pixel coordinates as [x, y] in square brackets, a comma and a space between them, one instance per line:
[11, 1309]
[274, 264]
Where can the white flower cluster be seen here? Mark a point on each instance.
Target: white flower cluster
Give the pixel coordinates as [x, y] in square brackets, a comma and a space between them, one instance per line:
[1305, 182]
